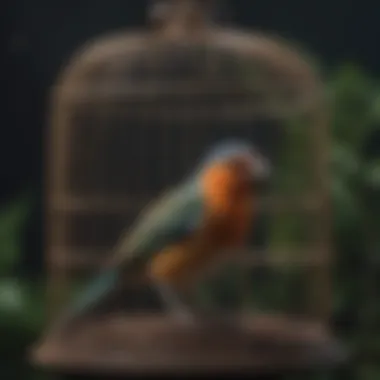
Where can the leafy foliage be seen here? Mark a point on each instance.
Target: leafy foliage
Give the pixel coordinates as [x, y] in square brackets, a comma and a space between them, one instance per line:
[20, 303]
[12, 220]
[355, 192]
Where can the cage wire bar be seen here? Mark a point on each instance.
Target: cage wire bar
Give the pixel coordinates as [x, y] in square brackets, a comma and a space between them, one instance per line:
[133, 112]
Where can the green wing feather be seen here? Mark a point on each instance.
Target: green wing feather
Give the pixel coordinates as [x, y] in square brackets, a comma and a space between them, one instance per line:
[176, 214]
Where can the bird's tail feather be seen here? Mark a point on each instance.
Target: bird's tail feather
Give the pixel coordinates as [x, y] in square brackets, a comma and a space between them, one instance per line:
[93, 295]
[95, 291]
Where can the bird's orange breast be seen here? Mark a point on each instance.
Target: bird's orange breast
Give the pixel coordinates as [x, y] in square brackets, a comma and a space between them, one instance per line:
[181, 263]
[230, 199]
[227, 222]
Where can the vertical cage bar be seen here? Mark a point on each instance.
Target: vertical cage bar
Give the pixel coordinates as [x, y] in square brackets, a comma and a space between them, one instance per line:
[245, 283]
[57, 182]
[142, 134]
[321, 296]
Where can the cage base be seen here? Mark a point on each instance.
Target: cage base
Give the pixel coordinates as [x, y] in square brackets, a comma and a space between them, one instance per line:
[156, 343]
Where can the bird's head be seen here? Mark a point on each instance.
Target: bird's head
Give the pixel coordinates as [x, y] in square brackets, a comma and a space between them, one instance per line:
[240, 157]
[231, 168]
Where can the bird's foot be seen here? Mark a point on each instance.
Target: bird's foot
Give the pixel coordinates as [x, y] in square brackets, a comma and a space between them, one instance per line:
[186, 317]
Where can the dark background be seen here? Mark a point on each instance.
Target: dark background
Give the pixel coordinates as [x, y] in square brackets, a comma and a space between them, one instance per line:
[39, 36]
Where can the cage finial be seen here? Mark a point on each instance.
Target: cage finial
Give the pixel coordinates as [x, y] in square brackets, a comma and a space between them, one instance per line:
[176, 16]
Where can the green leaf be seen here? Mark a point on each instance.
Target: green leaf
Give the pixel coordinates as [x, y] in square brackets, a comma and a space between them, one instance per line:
[13, 218]
[345, 205]
[352, 92]
[369, 372]
[375, 110]
[345, 162]
[11, 297]
[371, 175]
[21, 305]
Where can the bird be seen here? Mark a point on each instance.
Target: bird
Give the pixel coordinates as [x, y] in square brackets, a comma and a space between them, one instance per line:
[183, 232]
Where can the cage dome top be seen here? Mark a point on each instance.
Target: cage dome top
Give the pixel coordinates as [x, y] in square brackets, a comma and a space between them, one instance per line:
[184, 55]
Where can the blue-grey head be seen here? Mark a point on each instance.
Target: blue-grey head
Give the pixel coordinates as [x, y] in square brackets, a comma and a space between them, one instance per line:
[241, 153]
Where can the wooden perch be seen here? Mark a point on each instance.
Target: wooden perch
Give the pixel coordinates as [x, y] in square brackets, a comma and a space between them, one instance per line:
[153, 343]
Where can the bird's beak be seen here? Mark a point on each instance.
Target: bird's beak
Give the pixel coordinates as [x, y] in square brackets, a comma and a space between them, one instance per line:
[260, 168]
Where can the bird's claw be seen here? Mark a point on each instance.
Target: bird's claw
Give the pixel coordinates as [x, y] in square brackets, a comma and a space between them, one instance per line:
[186, 317]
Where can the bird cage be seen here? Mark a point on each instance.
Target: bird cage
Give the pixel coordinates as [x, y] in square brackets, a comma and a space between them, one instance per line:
[131, 115]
